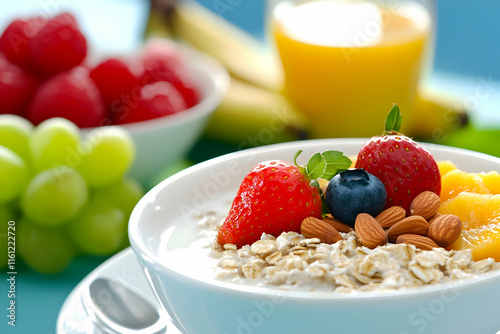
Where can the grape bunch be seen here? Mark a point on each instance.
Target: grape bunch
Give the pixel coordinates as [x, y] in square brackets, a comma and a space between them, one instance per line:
[66, 191]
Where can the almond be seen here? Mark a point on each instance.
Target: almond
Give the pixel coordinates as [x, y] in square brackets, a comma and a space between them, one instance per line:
[430, 220]
[445, 229]
[391, 216]
[337, 224]
[409, 225]
[312, 227]
[418, 241]
[369, 231]
[425, 204]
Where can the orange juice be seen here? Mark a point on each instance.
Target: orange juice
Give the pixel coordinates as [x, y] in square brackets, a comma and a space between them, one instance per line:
[346, 62]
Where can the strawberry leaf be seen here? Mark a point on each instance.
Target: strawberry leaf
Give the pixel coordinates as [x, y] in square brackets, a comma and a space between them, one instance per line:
[393, 120]
[327, 164]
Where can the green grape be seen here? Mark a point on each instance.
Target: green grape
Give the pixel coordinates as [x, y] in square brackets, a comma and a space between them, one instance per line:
[6, 215]
[125, 194]
[13, 175]
[99, 228]
[54, 196]
[45, 249]
[15, 132]
[109, 153]
[55, 142]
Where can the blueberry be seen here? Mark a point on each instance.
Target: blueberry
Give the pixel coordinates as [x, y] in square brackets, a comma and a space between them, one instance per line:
[352, 192]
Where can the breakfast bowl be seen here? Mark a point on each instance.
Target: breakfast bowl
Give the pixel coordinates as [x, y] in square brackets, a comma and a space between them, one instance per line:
[165, 225]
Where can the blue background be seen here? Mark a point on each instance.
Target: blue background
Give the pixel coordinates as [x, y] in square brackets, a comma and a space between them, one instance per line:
[468, 46]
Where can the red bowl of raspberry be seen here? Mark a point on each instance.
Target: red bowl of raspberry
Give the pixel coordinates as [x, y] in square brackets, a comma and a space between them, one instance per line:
[163, 94]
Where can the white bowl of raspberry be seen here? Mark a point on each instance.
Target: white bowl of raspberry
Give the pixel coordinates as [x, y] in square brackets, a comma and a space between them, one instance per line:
[163, 94]
[290, 283]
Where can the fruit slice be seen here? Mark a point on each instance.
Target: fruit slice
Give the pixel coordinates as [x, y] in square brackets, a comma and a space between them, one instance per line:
[484, 242]
[457, 181]
[474, 210]
[491, 181]
[445, 167]
[480, 216]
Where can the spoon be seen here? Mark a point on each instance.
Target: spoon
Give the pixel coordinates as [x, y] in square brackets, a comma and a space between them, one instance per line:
[115, 308]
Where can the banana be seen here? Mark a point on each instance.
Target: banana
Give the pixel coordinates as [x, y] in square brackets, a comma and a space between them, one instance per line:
[243, 56]
[251, 116]
[435, 115]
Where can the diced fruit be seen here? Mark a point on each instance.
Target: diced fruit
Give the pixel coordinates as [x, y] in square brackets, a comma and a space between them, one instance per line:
[405, 168]
[491, 181]
[111, 143]
[480, 216]
[71, 88]
[45, 249]
[17, 87]
[13, 175]
[155, 100]
[445, 167]
[482, 241]
[15, 132]
[54, 196]
[474, 210]
[352, 192]
[58, 46]
[163, 62]
[99, 229]
[55, 142]
[457, 181]
[115, 77]
[16, 38]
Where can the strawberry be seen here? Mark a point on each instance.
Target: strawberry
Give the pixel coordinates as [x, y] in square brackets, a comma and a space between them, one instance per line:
[405, 168]
[276, 197]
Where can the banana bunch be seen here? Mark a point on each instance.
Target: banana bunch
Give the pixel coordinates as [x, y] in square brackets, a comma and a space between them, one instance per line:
[254, 112]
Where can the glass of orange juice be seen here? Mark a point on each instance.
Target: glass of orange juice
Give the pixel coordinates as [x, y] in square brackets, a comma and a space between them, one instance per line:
[345, 62]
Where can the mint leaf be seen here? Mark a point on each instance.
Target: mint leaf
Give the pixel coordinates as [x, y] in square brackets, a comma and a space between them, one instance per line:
[393, 120]
[327, 164]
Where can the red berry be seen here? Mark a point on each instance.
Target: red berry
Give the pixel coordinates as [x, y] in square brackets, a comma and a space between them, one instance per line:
[15, 40]
[70, 94]
[58, 46]
[274, 197]
[17, 87]
[163, 62]
[155, 100]
[115, 77]
[405, 168]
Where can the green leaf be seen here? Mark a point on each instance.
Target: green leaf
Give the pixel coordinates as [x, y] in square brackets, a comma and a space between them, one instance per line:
[393, 120]
[327, 164]
[301, 168]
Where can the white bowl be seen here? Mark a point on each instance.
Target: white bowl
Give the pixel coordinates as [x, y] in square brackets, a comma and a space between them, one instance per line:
[163, 140]
[203, 305]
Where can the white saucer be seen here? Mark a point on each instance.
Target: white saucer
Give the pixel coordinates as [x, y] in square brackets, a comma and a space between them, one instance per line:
[123, 266]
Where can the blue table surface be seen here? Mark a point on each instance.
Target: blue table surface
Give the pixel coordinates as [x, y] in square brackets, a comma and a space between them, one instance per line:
[467, 48]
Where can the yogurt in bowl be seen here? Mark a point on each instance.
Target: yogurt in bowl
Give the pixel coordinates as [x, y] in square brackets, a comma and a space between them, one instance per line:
[183, 271]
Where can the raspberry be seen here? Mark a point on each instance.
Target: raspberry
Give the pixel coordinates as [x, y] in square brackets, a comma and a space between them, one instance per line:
[155, 100]
[163, 62]
[15, 40]
[17, 87]
[71, 95]
[115, 77]
[58, 46]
